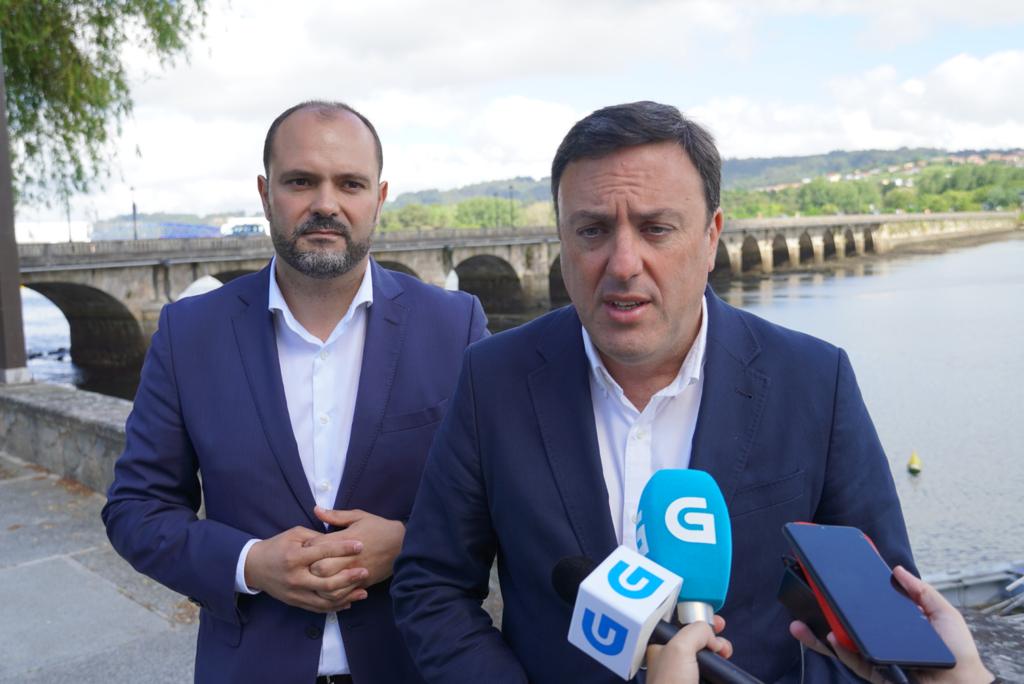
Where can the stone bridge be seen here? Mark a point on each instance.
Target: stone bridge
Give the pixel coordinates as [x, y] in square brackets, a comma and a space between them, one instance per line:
[111, 292]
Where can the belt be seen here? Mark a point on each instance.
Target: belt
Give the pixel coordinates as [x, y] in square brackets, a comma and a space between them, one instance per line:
[334, 679]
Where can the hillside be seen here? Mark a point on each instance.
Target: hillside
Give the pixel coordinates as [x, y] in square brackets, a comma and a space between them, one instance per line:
[737, 174]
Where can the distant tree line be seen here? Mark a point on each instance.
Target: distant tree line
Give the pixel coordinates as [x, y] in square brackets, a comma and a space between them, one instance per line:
[936, 188]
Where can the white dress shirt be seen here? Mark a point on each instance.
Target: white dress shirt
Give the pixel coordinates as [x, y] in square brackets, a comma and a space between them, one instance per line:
[321, 380]
[634, 444]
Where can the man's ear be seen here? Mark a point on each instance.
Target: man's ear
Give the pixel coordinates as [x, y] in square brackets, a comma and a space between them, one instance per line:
[714, 233]
[263, 186]
[383, 195]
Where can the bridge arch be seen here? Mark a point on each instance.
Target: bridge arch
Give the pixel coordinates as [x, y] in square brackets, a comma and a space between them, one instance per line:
[750, 255]
[851, 247]
[400, 267]
[494, 281]
[806, 248]
[104, 333]
[780, 251]
[869, 242]
[829, 241]
[556, 285]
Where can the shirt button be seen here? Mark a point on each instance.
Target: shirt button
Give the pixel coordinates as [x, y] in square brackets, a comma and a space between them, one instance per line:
[323, 486]
[324, 354]
[324, 419]
[331, 617]
[633, 518]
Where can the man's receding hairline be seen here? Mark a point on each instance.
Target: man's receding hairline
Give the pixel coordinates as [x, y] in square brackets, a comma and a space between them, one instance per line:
[326, 110]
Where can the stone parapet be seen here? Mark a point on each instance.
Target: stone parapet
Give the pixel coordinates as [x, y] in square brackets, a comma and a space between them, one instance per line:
[74, 433]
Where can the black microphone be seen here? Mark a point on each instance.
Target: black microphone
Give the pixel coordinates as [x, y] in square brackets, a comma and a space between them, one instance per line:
[566, 577]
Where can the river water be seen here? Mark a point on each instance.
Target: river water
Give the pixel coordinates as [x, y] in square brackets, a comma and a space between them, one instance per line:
[937, 342]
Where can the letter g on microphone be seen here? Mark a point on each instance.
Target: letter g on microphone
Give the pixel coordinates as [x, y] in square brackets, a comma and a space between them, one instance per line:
[608, 636]
[686, 524]
[640, 584]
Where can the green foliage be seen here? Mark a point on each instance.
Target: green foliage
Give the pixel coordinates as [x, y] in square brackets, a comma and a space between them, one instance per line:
[936, 188]
[66, 84]
[476, 212]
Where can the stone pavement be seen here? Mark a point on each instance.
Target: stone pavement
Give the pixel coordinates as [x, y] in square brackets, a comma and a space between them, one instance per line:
[71, 610]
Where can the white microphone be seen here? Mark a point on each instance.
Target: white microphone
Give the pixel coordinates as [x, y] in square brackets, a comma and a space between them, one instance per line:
[617, 608]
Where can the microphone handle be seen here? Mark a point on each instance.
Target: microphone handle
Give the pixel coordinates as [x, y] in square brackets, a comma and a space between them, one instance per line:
[713, 667]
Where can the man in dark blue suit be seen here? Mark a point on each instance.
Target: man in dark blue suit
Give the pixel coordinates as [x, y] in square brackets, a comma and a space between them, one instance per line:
[306, 397]
[556, 426]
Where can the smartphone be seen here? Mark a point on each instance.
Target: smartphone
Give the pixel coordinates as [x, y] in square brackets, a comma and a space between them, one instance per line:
[865, 607]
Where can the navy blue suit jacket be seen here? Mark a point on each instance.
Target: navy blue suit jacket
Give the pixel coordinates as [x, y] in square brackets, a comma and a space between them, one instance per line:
[211, 401]
[515, 471]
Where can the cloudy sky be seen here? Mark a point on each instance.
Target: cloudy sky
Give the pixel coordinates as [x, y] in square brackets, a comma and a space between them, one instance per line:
[464, 91]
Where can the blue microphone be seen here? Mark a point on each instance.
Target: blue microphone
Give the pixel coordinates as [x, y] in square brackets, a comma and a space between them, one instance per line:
[683, 526]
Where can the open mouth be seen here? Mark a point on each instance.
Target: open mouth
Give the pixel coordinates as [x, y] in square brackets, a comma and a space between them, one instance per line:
[626, 306]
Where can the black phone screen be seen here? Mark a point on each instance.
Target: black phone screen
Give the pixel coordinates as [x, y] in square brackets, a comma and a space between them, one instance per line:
[884, 623]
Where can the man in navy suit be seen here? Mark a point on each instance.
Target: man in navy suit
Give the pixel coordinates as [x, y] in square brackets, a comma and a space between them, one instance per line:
[556, 426]
[306, 397]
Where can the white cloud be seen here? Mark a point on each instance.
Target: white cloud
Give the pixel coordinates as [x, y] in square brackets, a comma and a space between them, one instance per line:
[463, 92]
[964, 102]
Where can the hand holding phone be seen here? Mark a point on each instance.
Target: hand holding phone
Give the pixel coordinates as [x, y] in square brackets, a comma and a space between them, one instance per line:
[867, 610]
[946, 620]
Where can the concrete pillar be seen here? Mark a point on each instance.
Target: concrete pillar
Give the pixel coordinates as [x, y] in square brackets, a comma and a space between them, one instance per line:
[818, 247]
[840, 242]
[767, 250]
[793, 245]
[858, 243]
[735, 252]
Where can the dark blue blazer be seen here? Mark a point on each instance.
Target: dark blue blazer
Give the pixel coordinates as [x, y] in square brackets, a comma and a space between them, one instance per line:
[211, 402]
[515, 471]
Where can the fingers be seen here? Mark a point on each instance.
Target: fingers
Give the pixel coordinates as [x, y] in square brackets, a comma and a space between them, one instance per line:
[338, 518]
[920, 592]
[330, 547]
[719, 624]
[805, 636]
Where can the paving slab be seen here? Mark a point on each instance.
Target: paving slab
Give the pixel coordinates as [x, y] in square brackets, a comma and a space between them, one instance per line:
[42, 515]
[144, 591]
[55, 610]
[165, 658]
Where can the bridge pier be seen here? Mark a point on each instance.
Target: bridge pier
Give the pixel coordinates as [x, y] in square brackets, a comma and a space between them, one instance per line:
[735, 252]
[793, 245]
[818, 247]
[766, 247]
[840, 241]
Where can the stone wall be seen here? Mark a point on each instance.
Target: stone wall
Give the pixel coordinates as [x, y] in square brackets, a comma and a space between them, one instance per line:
[73, 433]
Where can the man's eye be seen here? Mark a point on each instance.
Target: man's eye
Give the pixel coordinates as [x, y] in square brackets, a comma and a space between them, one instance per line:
[299, 182]
[589, 231]
[353, 185]
[658, 230]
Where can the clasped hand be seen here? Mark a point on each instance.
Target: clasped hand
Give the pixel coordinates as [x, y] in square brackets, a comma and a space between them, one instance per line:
[326, 572]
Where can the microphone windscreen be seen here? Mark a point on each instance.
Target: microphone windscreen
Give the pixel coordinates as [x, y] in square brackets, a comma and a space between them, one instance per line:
[567, 575]
[683, 525]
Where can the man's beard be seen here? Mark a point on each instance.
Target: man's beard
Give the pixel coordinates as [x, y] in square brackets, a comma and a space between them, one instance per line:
[320, 263]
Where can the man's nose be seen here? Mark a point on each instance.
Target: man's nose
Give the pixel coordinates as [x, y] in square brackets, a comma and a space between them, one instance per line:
[625, 260]
[325, 201]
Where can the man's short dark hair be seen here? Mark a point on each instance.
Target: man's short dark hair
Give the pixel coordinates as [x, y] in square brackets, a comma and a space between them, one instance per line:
[638, 123]
[324, 108]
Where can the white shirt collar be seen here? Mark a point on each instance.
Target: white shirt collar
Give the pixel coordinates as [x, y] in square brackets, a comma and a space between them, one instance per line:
[277, 303]
[689, 372]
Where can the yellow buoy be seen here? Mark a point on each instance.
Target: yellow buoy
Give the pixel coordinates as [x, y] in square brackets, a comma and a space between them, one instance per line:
[914, 464]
